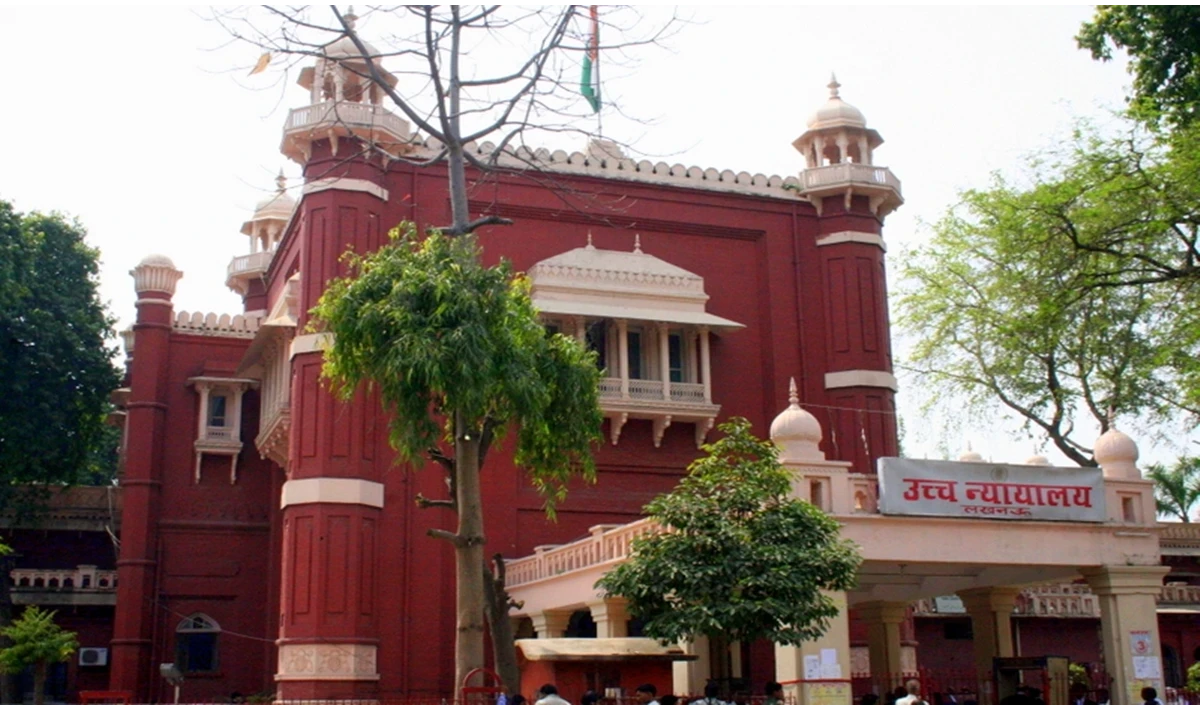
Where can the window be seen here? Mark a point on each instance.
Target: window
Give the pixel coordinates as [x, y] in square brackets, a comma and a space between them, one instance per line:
[635, 354]
[216, 410]
[675, 355]
[552, 329]
[597, 342]
[196, 644]
[956, 629]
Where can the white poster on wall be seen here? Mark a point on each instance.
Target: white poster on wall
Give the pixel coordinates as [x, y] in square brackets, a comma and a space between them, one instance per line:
[990, 491]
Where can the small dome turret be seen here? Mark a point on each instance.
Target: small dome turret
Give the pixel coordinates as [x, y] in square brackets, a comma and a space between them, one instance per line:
[276, 210]
[155, 274]
[797, 432]
[970, 456]
[1039, 460]
[1117, 454]
[836, 112]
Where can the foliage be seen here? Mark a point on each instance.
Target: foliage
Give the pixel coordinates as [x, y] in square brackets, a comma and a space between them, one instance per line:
[58, 369]
[740, 559]
[1073, 296]
[36, 639]
[1078, 674]
[441, 335]
[1193, 677]
[36, 642]
[1177, 488]
[1163, 42]
[458, 355]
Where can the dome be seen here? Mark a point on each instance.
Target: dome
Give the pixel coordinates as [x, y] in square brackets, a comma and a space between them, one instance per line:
[796, 431]
[343, 47]
[1039, 460]
[277, 206]
[1117, 454]
[836, 112]
[970, 457]
[157, 261]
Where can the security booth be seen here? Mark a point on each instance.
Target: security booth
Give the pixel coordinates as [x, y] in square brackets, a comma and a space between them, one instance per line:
[1048, 674]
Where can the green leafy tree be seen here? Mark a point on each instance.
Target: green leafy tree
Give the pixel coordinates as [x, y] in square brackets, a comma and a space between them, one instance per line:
[458, 355]
[37, 642]
[1070, 298]
[58, 369]
[1163, 42]
[1176, 488]
[740, 559]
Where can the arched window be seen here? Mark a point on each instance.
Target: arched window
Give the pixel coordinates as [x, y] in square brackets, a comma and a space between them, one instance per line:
[196, 644]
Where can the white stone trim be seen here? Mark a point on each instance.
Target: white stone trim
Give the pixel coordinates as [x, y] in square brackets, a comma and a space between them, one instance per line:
[210, 324]
[335, 183]
[604, 166]
[861, 378]
[327, 662]
[310, 342]
[156, 302]
[852, 236]
[332, 490]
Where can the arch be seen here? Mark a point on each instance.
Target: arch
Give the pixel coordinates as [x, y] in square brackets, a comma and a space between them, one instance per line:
[197, 638]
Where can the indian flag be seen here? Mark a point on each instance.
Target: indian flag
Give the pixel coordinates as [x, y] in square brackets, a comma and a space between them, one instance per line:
[589, 83]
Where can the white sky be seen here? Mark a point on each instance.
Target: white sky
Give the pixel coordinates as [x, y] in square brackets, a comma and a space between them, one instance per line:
[131, 120]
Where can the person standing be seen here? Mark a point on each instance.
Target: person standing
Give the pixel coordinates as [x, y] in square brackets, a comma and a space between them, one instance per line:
[774, 693]
[646, 694]
[912, 695]
[548, 695]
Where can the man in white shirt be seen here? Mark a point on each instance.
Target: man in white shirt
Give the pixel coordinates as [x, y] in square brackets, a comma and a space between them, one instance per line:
[913, 688]
[548, 695]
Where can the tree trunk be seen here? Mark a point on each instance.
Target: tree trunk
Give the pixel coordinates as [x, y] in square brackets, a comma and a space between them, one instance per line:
[504, 644]
[39, 683]
[468, 553]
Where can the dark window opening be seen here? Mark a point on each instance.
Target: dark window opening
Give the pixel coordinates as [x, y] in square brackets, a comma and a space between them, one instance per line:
[957, 629]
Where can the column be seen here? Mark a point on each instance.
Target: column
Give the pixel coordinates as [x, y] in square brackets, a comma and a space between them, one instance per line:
[611, 618]
[580, 331]
[991, 610]
[132, 666]
[1129, 627]
[826, 660]
[884, 620]
[623, 354]
[551, 624]
[706, 364]
[664, 359]
[692, 676]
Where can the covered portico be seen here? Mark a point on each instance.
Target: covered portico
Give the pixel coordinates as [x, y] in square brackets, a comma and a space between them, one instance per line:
[981, 557]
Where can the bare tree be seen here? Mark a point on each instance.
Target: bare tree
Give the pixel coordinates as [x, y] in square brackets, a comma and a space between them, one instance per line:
[460, 75]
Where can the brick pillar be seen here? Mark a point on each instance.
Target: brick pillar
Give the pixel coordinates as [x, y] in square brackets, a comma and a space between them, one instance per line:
[333, 500]
[141, 481]
[859, 378]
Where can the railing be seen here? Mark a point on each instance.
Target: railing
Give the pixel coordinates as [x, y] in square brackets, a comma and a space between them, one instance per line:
[687, 393]
[252, 263]
[218, 433]
[1180, 594]
[645, 389]
[1071, 600]
[606, 544]
[352, 114]
[652, 390]
[84, 577]
[848, 172]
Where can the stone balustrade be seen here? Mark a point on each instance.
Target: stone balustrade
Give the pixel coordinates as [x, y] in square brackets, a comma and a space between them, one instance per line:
[84, 577]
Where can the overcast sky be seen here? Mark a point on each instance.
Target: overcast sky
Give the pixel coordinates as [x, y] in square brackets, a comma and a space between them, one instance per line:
[132, 120]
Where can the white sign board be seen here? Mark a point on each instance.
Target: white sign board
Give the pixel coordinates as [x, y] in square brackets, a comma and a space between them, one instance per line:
[949, 604]
[990, 491]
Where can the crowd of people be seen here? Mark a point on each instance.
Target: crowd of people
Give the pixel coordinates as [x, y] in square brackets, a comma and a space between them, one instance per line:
[647, 694]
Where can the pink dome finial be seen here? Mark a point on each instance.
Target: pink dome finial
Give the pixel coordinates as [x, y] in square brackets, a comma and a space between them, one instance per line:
[833, 85]
[793, 395]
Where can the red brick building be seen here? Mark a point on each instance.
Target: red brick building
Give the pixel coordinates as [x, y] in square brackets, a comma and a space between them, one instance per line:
[269, 540]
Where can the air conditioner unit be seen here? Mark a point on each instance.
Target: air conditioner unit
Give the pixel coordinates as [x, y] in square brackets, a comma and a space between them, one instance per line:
[93, 656]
